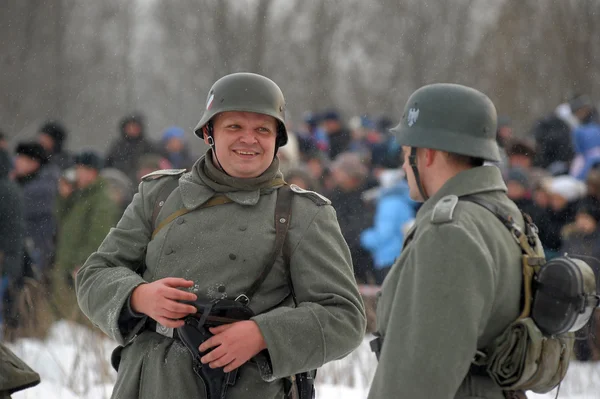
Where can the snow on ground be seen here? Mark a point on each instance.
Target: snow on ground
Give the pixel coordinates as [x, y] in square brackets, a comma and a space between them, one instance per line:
[74, 364]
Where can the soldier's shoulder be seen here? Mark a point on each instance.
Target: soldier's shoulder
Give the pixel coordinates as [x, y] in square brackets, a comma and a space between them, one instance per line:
[444, 210]
[315, 197]
[163, 173]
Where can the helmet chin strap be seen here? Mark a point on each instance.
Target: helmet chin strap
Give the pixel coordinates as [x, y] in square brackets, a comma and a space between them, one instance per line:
[211, 143]
[412, 161]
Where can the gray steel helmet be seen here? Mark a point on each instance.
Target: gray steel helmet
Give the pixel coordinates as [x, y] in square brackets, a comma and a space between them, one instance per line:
[246, 92]
[451, 118]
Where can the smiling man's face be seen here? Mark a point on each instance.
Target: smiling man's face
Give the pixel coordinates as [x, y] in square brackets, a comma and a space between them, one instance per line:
[244, 142]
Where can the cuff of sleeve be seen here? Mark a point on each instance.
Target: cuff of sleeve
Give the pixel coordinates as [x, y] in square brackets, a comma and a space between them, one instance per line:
[132, 313]
[128, 318]
[265, 368]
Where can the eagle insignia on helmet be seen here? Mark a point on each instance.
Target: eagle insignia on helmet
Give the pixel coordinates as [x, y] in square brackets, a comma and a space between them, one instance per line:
[413, 115]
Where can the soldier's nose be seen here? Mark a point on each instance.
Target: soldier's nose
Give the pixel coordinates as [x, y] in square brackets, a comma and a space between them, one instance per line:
[248, 136]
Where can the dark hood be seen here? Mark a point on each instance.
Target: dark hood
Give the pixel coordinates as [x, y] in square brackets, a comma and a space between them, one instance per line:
[133, 118]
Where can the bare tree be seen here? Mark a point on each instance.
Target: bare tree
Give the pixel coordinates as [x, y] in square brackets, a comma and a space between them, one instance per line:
[88, 63]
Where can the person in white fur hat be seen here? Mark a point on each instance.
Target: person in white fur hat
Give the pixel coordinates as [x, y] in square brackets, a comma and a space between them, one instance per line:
[564, 193]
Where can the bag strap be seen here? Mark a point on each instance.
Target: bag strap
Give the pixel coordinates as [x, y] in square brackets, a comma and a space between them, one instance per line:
[216, 200]
[532, 256]
[283, 213]
[527, 240]
[170, 186]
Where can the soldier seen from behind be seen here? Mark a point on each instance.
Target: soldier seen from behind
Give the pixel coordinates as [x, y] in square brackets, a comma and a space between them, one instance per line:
[225, 267]
[457, 283]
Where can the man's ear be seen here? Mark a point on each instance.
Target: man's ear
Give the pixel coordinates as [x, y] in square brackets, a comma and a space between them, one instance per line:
[205, 134]
[430, 156]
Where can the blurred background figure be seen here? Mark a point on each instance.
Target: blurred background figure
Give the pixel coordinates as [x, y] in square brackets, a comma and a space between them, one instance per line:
[85, 215]
[520, 154]
[386, 153]
[552, 135]
[582, 238]
[125, 151]
[52, 135]
[337, 136]
[289, 155]
[3, 141]
[564, 194]
[11, 235]
[39, 185]
[120, 187]
[394, 210]
[519, 190]
[175, 149]
[349, 179]
[318, 166]
[302, 178]
[504, 135]
[307, 142]
[586, 137]
[150, 163]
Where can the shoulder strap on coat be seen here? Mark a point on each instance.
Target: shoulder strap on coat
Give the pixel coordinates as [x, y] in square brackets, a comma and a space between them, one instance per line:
[161, 198]
[443, 212]
[157, 174]
[314, 196]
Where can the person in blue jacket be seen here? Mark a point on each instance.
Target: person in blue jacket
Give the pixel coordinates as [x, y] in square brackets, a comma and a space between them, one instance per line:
[586, 137]
[394, 212]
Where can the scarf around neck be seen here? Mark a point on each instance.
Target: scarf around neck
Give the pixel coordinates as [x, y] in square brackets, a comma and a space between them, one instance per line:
[221, 182]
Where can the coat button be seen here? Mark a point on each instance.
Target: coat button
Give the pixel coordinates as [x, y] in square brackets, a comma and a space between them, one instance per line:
[169, 251]
[232, 257]
[180, 221]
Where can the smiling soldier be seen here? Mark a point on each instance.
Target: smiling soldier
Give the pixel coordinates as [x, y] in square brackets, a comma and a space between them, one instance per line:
[230, 242]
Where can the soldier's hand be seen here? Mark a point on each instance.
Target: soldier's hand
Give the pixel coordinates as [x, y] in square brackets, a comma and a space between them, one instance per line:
[160, 300]
[234, 344]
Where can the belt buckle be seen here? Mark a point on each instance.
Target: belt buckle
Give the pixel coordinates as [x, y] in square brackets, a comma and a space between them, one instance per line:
[162, 330]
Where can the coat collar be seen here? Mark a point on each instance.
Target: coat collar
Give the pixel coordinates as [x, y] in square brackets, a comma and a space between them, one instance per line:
[195, 191]
[477, 180]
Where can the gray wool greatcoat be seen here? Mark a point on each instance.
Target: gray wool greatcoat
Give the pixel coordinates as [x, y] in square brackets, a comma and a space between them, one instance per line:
[226, 245]
[455, 287]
